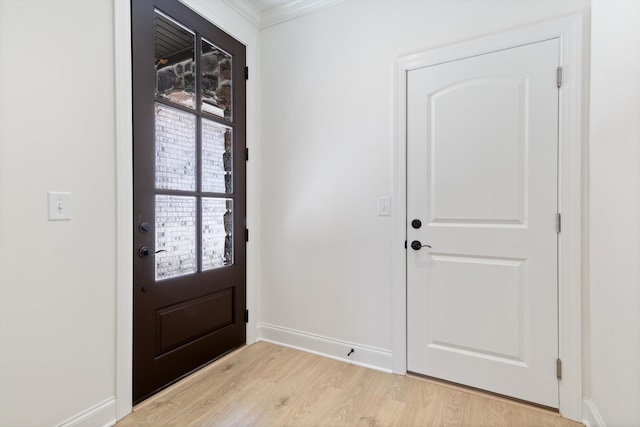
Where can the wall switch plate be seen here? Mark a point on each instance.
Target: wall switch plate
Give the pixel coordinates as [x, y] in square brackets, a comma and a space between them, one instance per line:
[384, 206]
[59, 206]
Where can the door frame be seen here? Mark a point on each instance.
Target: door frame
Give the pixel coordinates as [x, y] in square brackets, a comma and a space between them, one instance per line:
[569, 31]
[222, 17]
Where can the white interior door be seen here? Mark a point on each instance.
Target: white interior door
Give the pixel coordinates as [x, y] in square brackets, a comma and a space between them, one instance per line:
[482, 163]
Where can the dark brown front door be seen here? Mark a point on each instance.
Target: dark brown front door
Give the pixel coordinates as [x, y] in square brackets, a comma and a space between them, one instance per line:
[189, 193]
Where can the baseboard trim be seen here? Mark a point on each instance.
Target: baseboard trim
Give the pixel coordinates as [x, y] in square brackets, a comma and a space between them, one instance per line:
[366, 356]
[102, 414]
[591, 416]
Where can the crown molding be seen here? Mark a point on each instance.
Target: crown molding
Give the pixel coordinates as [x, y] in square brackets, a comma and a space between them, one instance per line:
[279, 14]
[293, 9]
[247, 10]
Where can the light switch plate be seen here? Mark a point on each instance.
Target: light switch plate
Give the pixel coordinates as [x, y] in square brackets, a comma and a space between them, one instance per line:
[384, 206]
[59, 206]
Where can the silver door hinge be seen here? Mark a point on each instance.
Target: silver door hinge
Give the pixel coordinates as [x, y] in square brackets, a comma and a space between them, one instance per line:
[559, 369]
[559, 76]
[558, 222]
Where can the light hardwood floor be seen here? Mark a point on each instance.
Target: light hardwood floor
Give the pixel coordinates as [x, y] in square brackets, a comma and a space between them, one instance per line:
[268, 385]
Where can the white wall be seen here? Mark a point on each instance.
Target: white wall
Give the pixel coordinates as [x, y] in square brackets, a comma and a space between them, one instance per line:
[614, 267]
[327, 104]
[57, 279]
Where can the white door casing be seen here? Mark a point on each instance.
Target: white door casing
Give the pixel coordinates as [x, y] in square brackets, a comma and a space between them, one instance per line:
[482, 178]
[570, 31]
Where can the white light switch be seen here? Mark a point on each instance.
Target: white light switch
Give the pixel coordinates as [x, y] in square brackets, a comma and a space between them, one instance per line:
[384, 206]
[59, 206]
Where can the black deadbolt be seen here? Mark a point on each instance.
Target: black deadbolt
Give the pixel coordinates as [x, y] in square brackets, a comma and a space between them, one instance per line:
[416, 223]
[145, 227]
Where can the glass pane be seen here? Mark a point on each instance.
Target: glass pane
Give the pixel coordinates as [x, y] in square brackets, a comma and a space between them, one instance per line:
[176, 234]
[217, 233]
[174, 61]
[175, 149]
[216, 157]
[216, 81]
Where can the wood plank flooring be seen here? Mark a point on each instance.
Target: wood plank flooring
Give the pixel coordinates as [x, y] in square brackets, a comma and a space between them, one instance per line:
[268, 385]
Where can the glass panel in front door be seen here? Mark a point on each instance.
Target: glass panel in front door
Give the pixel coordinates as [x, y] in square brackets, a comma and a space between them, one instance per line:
[174, 61]
[193, 152]
[175, 234]
[216, 157]
[175, 149]
[217, 232]
[216, 81]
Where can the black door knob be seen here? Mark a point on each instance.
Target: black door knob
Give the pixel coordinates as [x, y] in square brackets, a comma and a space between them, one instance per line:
[416, 223]
[417, 245]
[146, 251]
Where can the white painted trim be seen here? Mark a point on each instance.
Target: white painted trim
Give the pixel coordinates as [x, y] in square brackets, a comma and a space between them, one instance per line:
[570, 205]
[292, 10]
[399, 225]
[569, 31]
[591, 416]
[369, 357]
[278, 14]
[247, 10]
[102, 414]
[124, 207]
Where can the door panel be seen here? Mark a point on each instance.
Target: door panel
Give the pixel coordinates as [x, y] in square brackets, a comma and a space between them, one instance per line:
[179, 323]
[464, 126]
[482, 177]
[189, 193]
[462, 325]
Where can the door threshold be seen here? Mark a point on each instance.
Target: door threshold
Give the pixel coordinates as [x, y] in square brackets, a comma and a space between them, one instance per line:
[483, 393]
